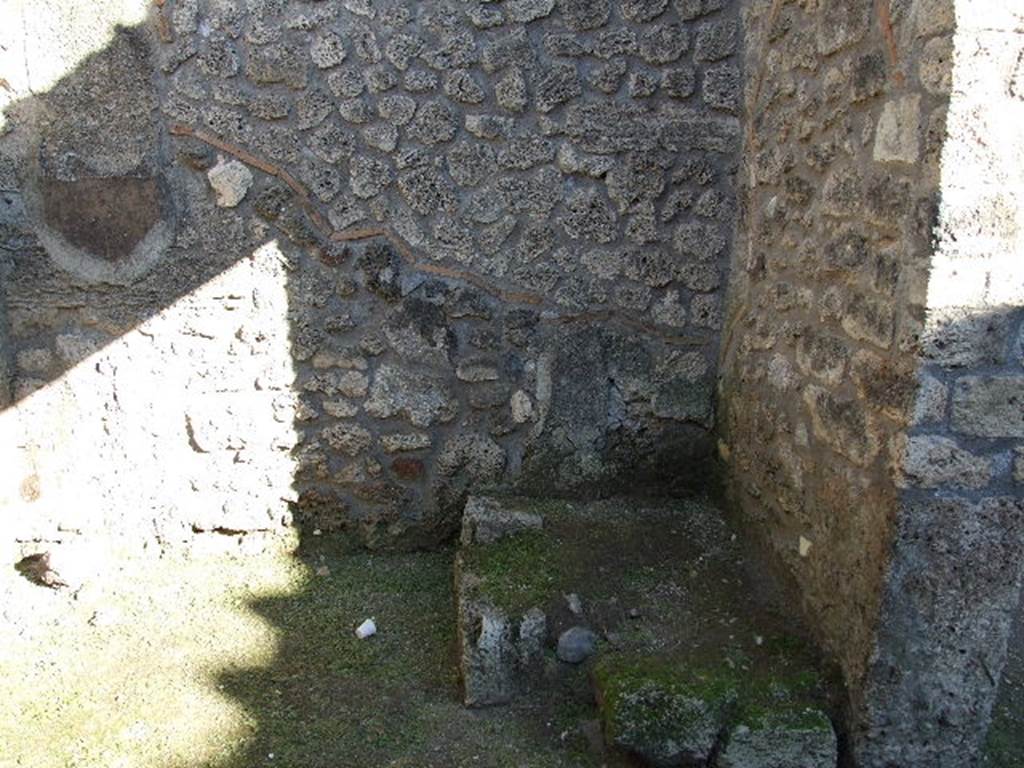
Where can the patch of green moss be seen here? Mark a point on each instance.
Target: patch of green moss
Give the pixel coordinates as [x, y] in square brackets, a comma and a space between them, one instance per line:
[1004, 746]
[646, 696]
[516, 572]
[652, 700]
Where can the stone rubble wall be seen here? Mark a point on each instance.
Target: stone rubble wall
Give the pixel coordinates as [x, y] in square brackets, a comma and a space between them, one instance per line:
[503, 230]
[827, 306]
[871, 375]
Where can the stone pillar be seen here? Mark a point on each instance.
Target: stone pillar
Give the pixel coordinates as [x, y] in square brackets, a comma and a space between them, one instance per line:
[955, 577]
[871, 374]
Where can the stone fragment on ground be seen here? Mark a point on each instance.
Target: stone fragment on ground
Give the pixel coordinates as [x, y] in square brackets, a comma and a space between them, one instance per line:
[576, 645]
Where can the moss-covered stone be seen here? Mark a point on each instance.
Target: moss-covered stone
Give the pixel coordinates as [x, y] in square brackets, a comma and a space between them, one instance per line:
[666, 715]
[676, 711]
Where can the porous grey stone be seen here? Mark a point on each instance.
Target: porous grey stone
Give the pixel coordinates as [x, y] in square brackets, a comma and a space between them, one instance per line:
[989, 406]
[663, 43]
[511, 50]
[643, 10]
[397, 109]
[583, 15]
[536, 195]
[276, 63]
[510, 91]
[434, 123]
[420, 399]
[489, 126]
[932, 461]
[607, 128]
[615, 43]
[350, 439]
[312, 108]
[369, 176]
[607, 77]
[525, 11]
[420, 81]
[722, 87]
[328, 50]
[346, 83]
[679, 82]
[471, 163]
[589, 217]
[557, 85]
[380, 79]
[525, 152]
[461, 86]
[637, 178]
[426, 191]
[716, 40]
[405, 441]
[401, 49]
[380, 136]
[576, 645]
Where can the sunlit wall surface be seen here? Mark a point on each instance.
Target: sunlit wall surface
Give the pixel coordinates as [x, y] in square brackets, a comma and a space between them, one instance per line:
[184, 424]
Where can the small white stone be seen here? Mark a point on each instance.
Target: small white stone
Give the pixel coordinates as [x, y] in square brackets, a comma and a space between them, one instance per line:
[366, 629]
[522, 407]
[805, 546]
[230, 180]
[574, 603]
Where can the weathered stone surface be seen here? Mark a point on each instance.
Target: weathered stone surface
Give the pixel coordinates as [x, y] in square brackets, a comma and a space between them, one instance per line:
[486, 520]
[471, 138]
[421, 400]
[989, 406]
[662, 725]
[664, 43]
[581, 15]
[932, 462]
[898, 131]
[230, 180]
[525, 11]
[557, 85]
[467, 461]
[576, 645]
[434, 123]
[806, 739]
[590, 218]
[716, 40]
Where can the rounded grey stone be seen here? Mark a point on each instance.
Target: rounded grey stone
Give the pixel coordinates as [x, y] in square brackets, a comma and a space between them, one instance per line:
[576, 645]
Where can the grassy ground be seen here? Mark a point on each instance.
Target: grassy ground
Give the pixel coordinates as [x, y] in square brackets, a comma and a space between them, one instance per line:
[233, 661]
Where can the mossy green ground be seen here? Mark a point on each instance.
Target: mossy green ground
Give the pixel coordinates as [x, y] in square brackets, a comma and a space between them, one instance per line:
[251, 661]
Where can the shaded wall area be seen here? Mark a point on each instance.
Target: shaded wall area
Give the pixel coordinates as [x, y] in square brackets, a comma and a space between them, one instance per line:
[336, 263]
[871, 382]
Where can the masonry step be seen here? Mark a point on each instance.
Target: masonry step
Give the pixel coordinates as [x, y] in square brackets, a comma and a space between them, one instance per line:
[687, 661]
